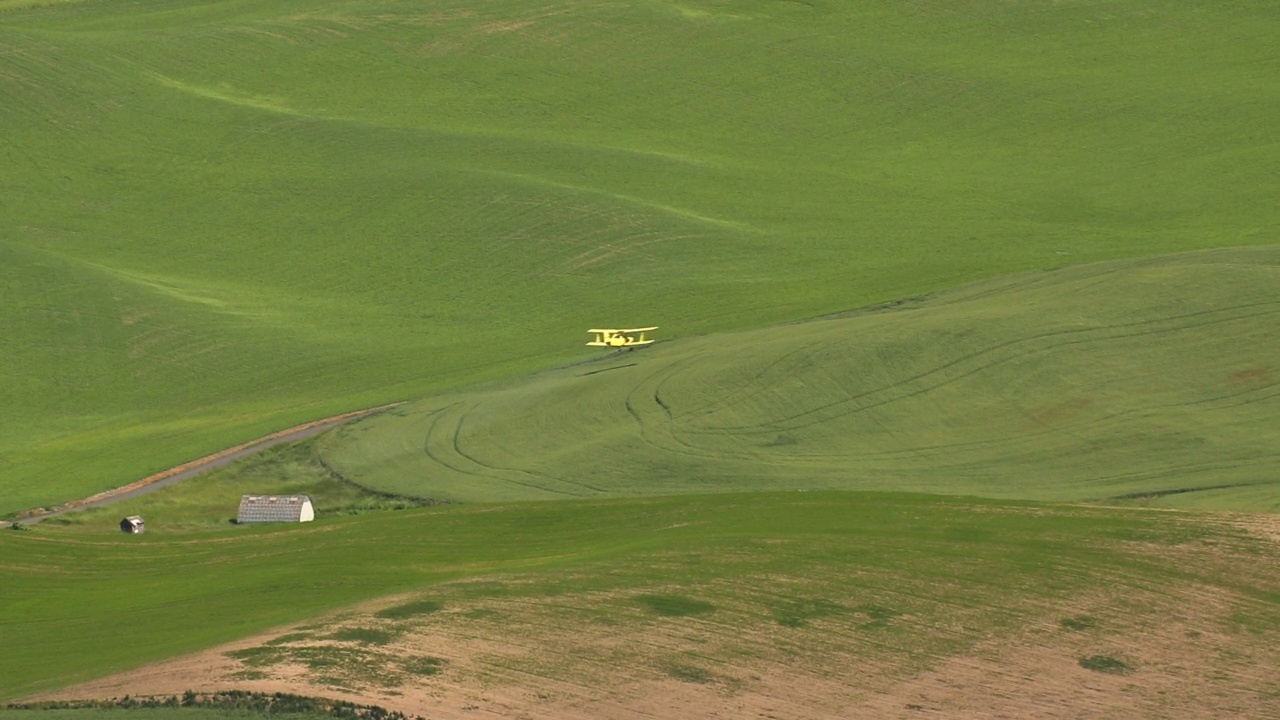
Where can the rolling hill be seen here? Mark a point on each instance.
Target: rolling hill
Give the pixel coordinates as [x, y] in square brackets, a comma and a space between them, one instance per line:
[221, 218]
[1149, 379]
[933, 280]
[810, 603]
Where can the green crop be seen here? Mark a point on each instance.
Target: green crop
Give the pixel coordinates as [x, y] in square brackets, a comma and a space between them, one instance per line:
[221, 218]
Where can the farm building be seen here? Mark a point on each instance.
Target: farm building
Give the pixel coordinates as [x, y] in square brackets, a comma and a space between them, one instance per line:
[132, 525]
[275, 508]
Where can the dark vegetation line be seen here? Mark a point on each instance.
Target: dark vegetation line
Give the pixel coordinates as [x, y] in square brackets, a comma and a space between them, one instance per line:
[616, 367]
[338, 477]
[1153, 494]
[241, 700]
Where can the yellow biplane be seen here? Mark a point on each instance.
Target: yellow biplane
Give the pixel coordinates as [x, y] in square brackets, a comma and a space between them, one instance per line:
[621, 338]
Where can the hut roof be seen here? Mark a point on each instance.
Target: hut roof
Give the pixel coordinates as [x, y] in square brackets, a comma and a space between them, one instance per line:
[272, 508]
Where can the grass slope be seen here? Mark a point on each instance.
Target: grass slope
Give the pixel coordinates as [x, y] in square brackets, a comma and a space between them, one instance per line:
[221, 218]
[907, 580]
[1154, 378]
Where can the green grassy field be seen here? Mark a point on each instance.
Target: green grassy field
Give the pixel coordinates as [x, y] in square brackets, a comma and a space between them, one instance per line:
[221, 218]
[904, 581]
[1150, 379]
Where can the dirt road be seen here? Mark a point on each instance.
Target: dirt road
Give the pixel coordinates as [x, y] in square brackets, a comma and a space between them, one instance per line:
[196, 467]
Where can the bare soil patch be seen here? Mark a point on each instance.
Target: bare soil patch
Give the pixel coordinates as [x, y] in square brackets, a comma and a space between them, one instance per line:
[1260, 525]
[1178, 662]
[1182, 657]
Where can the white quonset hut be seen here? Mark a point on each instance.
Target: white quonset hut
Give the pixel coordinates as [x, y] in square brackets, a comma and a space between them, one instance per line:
[275, 508]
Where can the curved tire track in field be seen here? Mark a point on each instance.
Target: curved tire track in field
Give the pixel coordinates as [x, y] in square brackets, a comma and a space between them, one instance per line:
[836, 408]
[442, 445]
[654, 420]
[196, 467]
[660, 427]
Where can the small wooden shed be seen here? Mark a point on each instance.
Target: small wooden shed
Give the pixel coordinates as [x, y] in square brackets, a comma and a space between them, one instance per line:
[275, 508]
[133, 525]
